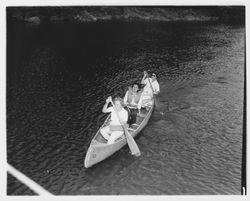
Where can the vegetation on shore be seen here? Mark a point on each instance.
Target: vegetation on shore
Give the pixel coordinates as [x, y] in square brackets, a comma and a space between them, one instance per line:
[84, 14]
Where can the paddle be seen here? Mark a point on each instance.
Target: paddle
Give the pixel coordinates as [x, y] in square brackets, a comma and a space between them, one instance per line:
[154, 95]
[131, 142]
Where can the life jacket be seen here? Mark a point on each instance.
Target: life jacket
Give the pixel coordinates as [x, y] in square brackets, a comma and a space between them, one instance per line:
[131, 95]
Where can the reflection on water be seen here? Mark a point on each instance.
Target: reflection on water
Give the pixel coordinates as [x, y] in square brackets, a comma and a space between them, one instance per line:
[59, 77]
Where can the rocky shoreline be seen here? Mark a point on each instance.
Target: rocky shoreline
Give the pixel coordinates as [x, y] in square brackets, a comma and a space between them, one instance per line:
[38, 15]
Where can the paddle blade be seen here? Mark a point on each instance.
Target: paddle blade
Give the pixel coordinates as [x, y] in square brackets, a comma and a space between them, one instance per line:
[132, 144]
[159, 106]
[156, 101]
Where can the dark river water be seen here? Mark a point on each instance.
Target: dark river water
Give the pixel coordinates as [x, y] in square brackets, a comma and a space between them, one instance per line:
[58, 77]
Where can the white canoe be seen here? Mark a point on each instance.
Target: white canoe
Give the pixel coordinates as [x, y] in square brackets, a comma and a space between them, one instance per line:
[100, 150]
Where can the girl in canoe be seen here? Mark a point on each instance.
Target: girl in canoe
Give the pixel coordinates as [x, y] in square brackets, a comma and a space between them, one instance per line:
[131, 100]
[115, 129]
[147, 94]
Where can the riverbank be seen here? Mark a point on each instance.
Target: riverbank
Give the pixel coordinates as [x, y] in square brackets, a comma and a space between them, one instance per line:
[38, 15]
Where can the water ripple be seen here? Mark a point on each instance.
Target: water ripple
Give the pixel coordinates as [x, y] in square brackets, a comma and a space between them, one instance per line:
[191, 146]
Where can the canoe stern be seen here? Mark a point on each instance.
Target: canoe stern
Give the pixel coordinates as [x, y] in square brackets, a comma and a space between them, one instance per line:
[99, 152]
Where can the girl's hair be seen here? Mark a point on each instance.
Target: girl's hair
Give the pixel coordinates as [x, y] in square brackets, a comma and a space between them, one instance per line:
[120, 100]
[135, 83]
[139, 86]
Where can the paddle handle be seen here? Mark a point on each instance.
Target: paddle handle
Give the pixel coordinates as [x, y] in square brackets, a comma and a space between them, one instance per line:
[154, 95]
[150, 84]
